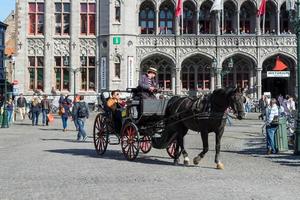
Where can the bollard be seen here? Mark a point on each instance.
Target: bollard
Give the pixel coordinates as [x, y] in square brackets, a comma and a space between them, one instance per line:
[281, 139]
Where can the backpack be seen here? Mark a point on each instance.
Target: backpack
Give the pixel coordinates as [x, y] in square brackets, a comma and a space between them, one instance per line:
[82, 110]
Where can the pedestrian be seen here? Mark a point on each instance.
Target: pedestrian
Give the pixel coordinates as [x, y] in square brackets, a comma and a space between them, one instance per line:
[35, 110]
[74, 115]
[21, 105]
[65, 112]
[272, 117]
[10, 109]
[45, 109]
[81, 111]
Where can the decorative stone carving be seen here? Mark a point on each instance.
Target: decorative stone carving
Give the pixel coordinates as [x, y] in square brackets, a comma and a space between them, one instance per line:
[61, 47]
[277, 41]
[238, 41]
[251, 52]
[156, 41]
[187, 52]
[36, 47]
[88, 46]
[266, 52]
[143, 52]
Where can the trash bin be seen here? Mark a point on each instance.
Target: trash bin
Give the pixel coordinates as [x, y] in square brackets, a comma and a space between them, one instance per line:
[281, 139]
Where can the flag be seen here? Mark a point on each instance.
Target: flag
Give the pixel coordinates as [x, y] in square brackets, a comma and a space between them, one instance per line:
[178, 8]
[262, 8]
[279, 65]
[217, 5]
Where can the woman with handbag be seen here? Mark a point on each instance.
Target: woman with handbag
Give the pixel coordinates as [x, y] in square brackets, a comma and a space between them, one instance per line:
[272, 118]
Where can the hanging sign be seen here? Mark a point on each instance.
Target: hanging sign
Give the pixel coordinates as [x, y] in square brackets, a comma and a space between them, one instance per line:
[278, 74]
[103, 73]
[117, 40]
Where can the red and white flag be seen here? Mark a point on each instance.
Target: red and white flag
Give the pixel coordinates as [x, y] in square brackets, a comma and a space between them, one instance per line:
[178, 11]
[262, 8]
[279, 65]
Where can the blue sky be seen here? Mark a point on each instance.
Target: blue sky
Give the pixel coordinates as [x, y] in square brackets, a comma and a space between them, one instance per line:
[6, 6]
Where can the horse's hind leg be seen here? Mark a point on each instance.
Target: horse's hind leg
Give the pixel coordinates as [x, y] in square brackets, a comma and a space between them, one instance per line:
[219, 134]
[204, 136]
[180, 148]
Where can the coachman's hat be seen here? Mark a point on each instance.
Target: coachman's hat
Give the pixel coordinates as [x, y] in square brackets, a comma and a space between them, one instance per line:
[153, 70]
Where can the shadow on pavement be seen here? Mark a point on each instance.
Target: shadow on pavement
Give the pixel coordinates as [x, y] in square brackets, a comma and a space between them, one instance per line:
[114, 155]
[64, 140]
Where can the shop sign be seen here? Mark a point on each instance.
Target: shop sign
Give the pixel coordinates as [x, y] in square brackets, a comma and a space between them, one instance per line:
[278, 74]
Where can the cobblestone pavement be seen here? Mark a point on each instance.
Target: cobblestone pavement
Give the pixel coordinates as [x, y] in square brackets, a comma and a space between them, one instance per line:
[46, 163]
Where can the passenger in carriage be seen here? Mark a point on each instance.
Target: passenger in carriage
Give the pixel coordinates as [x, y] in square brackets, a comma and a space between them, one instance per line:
[147, 84]
[116, 104]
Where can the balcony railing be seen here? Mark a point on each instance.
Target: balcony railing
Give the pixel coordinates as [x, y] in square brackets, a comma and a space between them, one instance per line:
[288, 40]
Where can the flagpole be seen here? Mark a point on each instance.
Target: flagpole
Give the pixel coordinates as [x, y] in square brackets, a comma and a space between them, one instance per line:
[264, 20]
[223, 20]
[181, 17]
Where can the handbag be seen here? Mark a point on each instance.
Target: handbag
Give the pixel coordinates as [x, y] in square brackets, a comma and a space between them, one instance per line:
[275, 120]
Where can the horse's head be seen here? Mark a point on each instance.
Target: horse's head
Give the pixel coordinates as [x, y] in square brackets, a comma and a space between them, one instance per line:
[236, 101]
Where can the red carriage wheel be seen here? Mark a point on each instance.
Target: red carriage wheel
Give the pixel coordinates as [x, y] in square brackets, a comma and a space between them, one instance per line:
[130, 141]
[100, 134]
[171, 149]
[145, 144]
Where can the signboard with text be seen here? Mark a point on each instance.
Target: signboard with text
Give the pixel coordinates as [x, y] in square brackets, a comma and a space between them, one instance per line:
[278, 74]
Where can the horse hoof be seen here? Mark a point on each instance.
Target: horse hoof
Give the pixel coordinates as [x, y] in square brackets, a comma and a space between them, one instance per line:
[186, 163]
[176, 162]
[197, 160]
[220, 166]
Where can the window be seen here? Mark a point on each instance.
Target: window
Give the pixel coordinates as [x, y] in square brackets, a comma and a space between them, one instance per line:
[36, 72]
[62, 18]
[166, 20]
[189, 19]
[62, 73]
[88, 18]
[118, 11]
[165, 78]
[36, 18]
[203, 78]
[117, 67]
[88, 73]
[147, 19]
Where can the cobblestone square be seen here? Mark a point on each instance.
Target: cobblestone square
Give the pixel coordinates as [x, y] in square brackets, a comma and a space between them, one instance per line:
[41, 162]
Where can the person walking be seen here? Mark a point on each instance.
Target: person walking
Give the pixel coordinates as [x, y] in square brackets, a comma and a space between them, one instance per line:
[35, 110]
[272, 115]
[10, 109]
[81, 111]
[65, 112]
[45, 109]
[21, 105]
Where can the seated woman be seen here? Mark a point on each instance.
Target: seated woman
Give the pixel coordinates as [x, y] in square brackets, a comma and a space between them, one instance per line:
[116, 105]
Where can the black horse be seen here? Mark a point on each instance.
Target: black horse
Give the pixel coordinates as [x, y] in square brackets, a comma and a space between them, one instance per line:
[203, 115]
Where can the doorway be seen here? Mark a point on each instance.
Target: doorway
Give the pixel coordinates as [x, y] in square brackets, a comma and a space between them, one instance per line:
[276, 86]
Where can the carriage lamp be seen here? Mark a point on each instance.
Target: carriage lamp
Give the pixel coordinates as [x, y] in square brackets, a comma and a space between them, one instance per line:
[230, 63]
[214, 64]
[295, 19]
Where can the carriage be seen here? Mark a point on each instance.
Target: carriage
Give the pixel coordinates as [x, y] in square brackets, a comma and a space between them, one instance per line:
[142, 127]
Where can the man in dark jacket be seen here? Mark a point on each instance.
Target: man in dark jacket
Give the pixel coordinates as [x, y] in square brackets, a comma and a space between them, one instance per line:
[45, 109]
[21, 104]
[81, 111]
[147, 84]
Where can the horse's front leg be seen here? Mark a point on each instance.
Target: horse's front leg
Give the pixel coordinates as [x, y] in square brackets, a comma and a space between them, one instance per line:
[204, 137]
[219, 135]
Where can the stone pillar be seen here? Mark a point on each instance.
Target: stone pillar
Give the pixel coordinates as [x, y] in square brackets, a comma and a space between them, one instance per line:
[251, 84]
[74, 47]
[219, 78]
[157, 21]
[259, 86]
[258, 30]
[278, 22]
[197, 21]
[48, 52]
[218, 19]
[173, 81]
[234, 77]
[238, 22]
[178, 82]
[212, 80]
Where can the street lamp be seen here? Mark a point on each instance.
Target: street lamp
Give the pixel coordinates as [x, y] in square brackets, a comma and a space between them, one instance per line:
[296, 22]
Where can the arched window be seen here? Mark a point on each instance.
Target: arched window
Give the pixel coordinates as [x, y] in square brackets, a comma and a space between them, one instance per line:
[248, 17]
[270, 23]
[285, 26]
[242, 75]
[189, 26]
[188, 78]
[205, 18]
[164, 78]
[117, 11]
[117, 63]
[147, 18]
[166, 18]
[203, 78]
[229, 17]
